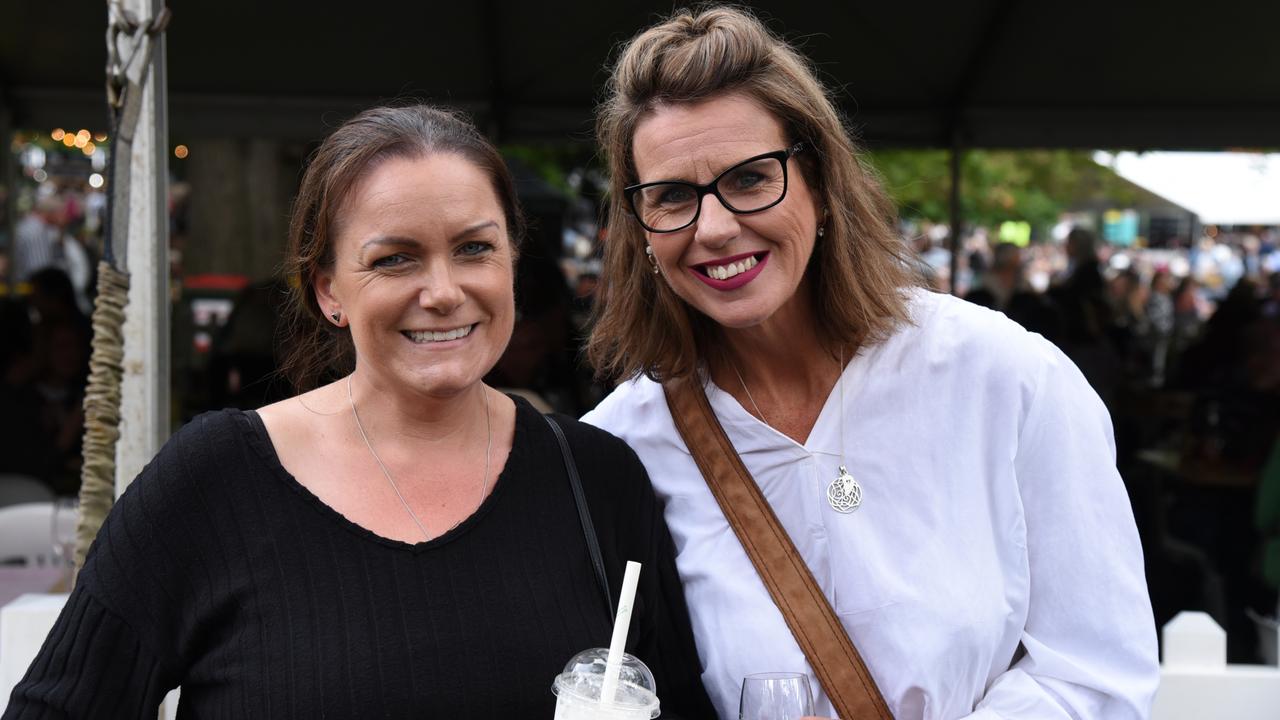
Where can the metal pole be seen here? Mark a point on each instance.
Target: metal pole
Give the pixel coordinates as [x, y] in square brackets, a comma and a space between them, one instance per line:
[956, 212]
[144, 403]
[9, 179]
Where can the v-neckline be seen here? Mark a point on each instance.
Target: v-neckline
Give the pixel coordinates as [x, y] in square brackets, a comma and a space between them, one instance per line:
[817, 442]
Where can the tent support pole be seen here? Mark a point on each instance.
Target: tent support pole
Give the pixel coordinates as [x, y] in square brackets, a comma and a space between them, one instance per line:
[9, 179]
[144, 402]
[954, 232]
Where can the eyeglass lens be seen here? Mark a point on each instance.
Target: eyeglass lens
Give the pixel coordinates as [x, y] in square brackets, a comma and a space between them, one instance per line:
[751, 186]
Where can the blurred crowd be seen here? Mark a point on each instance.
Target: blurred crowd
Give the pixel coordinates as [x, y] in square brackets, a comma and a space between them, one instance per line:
[44, 359]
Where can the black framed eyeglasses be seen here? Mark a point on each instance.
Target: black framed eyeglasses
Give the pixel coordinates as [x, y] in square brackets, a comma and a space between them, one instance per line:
[755, 184]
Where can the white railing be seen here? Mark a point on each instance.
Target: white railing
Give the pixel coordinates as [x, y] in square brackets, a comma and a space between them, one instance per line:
[1196, 683]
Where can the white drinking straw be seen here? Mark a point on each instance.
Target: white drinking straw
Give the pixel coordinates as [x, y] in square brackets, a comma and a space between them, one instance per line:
[621, 624]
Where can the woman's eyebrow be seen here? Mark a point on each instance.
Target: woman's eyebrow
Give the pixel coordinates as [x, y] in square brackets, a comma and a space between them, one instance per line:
[385, 241]
[476, 229]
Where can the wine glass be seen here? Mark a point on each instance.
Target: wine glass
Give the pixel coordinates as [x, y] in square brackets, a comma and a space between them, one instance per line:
[775, 696]
[66, 513]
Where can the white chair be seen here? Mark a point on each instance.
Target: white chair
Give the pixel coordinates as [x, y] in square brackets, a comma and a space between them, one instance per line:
[15, 489]
[26, 533]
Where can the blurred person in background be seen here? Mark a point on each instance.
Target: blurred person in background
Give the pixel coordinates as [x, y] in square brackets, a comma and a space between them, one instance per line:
[77, 260]
[1001, 280]
[1088, 326]
[1160, 323]
[26, 448]
[538, 363]
[1190, 310]
[1005, 288]
[37, 239]
[1271, 302]
[61, 340]
[1128, 295]
[244, 359]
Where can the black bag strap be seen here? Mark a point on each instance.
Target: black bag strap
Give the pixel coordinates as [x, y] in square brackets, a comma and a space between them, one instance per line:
[584, 512]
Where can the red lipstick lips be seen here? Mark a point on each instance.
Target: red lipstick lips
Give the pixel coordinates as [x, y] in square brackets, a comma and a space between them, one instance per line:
[735, 282]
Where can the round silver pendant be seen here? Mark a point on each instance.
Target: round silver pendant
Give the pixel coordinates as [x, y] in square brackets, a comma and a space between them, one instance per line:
[844, 494]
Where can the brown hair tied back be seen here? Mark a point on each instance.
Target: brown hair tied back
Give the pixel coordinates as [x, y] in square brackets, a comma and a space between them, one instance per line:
[315, 350]
[859, 270]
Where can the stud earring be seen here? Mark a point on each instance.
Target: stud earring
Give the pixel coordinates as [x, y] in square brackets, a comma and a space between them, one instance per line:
[337, 317]
[653, 261]
[822, 230]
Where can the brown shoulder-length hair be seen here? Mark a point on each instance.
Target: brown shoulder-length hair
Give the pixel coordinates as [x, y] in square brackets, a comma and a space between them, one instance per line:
[859, 268]
[315, 350]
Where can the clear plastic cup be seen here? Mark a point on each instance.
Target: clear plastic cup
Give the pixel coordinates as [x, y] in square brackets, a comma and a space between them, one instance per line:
[577, 689]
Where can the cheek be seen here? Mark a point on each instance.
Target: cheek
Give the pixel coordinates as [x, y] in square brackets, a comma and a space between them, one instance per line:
[667, 249]
[501, 299]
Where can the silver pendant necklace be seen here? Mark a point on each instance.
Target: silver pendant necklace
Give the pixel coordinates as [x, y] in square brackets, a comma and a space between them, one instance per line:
[844, 494]
[484, 482]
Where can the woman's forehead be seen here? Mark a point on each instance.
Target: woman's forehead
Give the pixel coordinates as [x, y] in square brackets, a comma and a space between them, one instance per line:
[436, 193]
[699, 140]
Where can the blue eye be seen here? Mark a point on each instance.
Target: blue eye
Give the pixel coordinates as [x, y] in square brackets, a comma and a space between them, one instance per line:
[474, 247]
[747, 179]
[390, 261]
[676, 195]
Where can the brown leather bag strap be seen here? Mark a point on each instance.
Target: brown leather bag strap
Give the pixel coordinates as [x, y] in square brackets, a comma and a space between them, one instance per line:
[814, 624]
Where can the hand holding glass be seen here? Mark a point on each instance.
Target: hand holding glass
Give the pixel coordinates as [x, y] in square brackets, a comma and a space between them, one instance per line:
[775, 696]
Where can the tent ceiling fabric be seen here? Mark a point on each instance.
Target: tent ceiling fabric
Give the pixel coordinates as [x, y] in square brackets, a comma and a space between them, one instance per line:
[996, 73]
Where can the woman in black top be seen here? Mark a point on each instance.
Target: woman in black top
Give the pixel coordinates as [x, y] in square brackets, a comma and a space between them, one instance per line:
[400, 541]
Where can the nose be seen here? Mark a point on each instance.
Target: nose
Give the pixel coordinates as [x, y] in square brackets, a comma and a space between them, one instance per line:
[716, 225]
[440, 292]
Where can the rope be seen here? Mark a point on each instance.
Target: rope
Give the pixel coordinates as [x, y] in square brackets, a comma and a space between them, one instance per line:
[125, 78]
[102, 407]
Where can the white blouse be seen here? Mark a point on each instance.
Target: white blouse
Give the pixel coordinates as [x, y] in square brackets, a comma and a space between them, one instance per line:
[993, 569]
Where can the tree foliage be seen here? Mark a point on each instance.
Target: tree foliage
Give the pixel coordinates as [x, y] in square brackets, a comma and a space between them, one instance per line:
[998, 185]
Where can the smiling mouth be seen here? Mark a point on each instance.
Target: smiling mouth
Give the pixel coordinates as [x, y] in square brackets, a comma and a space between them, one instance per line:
[435, 336]
[723, 270]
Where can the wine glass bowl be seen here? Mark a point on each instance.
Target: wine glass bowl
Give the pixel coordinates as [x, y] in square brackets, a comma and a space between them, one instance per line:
[62, 534]
[775, 696]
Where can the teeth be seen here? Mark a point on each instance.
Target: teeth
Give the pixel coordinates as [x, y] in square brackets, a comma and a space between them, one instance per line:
[425, 336]
[724, 272]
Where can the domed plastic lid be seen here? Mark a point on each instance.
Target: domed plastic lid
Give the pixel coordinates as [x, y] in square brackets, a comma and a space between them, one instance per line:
[583, 678]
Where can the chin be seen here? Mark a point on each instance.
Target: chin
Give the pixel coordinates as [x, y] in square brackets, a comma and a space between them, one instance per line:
[738, 318]
[440, 389]
[441, 382]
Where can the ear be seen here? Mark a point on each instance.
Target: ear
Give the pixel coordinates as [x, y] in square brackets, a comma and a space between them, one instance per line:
[322, 285]
[820, 211]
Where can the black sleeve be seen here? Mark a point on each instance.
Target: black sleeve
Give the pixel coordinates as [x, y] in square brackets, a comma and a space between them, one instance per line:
[92, 665]
[630, 526]
[115, 650]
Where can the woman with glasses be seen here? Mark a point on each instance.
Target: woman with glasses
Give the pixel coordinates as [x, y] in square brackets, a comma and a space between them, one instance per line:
[948, 478]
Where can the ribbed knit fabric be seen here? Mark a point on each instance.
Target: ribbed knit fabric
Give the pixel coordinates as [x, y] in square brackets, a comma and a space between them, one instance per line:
[218, 571]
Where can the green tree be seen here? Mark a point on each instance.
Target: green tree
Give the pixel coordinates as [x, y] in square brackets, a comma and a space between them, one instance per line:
[998, 185]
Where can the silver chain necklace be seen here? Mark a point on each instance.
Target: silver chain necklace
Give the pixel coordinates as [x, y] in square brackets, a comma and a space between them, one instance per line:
[484, 483]
[844, 494]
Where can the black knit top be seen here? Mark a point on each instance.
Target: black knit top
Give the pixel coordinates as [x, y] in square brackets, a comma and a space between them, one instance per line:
[219, 572]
